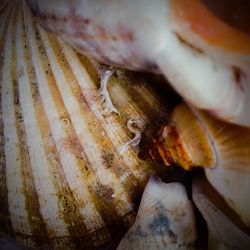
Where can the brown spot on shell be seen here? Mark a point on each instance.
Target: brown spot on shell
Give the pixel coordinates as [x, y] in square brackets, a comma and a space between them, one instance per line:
[238, 77]
[105, 191]
[108, 159]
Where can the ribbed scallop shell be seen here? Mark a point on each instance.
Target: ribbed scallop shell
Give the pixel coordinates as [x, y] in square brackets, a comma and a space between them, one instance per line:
[65, 181]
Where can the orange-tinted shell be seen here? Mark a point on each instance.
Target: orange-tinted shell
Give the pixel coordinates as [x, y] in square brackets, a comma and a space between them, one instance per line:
[194, 138]
[194, 16]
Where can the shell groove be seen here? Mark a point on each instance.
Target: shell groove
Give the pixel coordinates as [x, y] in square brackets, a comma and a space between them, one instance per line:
[63, 182]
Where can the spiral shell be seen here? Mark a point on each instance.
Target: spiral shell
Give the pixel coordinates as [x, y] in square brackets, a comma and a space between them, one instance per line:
[193, 138]
[66, 180]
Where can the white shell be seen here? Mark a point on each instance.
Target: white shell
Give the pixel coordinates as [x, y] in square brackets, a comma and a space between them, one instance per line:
[225, 231]
[210, 72]
[165, 219]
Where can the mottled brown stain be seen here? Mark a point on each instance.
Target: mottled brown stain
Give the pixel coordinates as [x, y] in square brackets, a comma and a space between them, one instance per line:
[49, 74]
[108, 209]
[106, 192]
[68, 204]
[71, 144]
[68, 200]
[5, 222]
[108, 159]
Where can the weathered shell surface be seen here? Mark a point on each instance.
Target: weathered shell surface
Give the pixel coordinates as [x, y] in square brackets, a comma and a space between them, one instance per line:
[165, 219]
[65, 178]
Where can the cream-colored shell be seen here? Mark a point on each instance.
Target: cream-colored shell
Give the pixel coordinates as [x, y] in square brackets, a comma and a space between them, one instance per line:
[165, 219]
[225, 231]
[66, 179]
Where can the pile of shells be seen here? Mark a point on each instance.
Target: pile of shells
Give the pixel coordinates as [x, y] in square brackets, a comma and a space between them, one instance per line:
[71, 170]
[70, 174]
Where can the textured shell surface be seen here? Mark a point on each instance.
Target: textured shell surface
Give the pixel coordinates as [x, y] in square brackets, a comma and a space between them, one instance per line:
[70, 175]
[165, 219]
[222, 148]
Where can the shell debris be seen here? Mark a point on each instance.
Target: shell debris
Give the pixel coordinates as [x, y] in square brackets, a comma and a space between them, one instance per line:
[104, 80]
[135, 126]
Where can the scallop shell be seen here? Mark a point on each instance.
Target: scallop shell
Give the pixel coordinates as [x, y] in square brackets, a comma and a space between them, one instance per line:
[224, 228]
[165, 219]
[193, 138]
[66, 180]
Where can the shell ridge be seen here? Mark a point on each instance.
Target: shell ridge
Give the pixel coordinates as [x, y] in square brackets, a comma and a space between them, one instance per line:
[16, 198]
[205, 128]
[35, 218]
[50, 107]
[5, 220]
